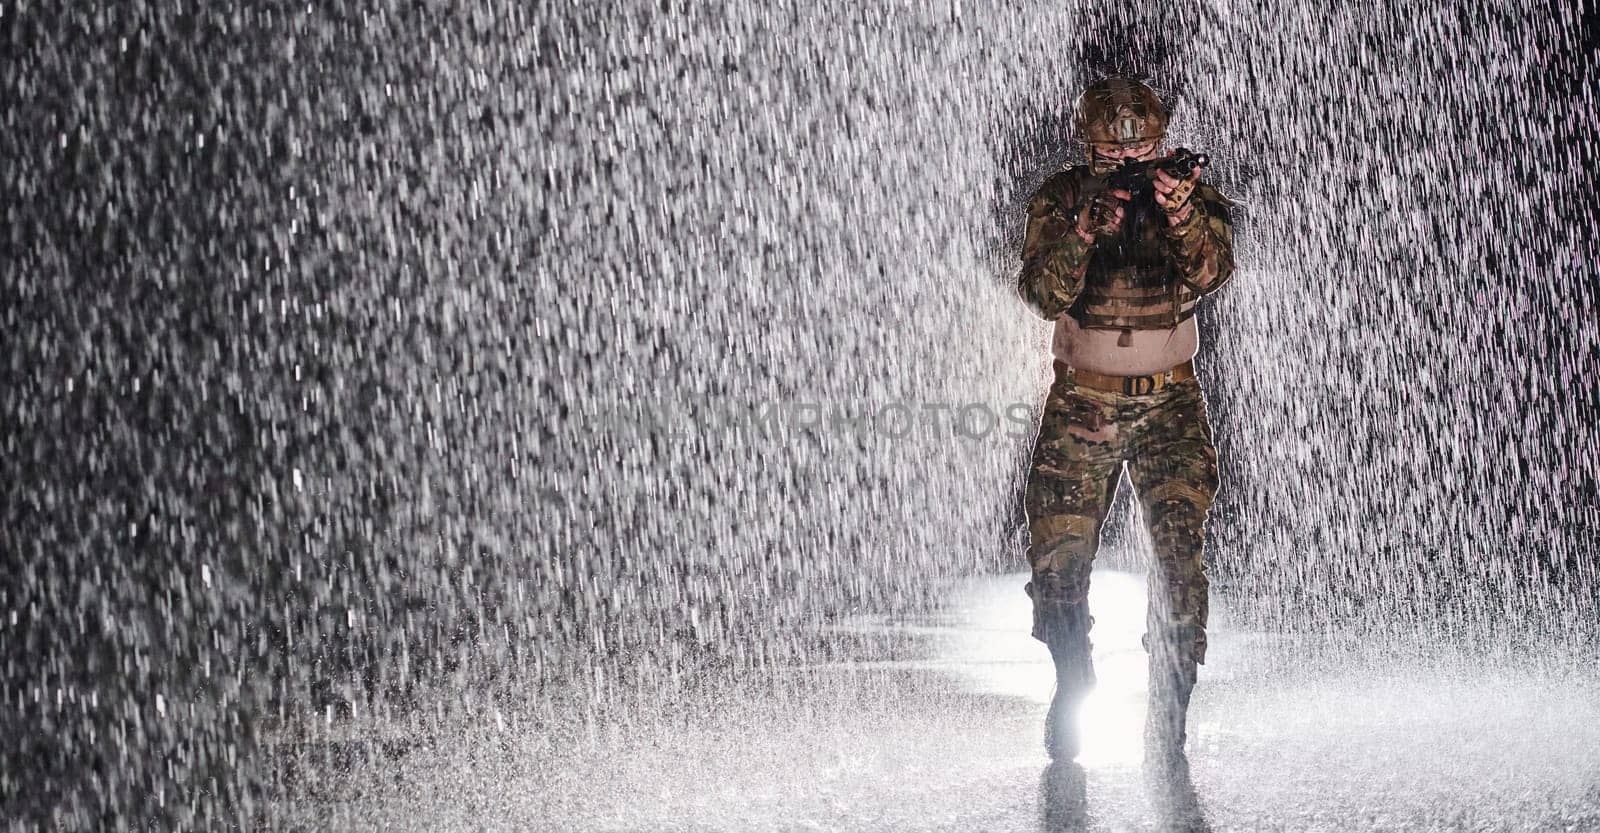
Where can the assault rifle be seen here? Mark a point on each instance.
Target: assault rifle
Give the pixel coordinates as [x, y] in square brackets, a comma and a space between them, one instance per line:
[1139, 178]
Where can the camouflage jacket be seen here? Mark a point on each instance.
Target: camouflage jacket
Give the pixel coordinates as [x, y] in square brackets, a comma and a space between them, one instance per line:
[1153, 284]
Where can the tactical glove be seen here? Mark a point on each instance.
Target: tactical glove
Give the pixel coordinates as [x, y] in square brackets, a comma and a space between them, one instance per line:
[1103, 216]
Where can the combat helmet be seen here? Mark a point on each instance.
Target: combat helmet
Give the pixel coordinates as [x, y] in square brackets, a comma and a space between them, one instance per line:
[1121, 111]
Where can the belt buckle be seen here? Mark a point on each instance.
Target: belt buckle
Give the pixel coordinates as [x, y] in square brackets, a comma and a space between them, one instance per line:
[1140, 385]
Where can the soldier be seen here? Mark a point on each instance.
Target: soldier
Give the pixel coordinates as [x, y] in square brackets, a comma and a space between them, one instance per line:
[1125, 394]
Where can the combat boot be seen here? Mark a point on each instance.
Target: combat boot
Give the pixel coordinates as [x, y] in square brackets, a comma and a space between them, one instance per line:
[1064, 628]
[1172, 678]
[1074, 679]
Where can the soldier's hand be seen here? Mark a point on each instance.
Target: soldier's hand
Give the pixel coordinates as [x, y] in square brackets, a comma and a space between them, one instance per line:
[1173, 194]
[1102, 217]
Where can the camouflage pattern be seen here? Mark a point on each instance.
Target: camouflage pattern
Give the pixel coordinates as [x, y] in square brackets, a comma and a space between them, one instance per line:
[1085, 438]
[1120, 110]
[1201, 246]
[1087, 435]
[1055, 259]
[1194, 258]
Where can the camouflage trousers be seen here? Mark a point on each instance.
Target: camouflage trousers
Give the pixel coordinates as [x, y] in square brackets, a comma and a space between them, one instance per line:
[1085, 439]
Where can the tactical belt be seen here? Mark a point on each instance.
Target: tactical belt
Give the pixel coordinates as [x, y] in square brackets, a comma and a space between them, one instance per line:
[1129, 385]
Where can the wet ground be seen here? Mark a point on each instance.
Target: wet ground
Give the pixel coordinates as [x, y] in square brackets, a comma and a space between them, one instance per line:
[946, 735]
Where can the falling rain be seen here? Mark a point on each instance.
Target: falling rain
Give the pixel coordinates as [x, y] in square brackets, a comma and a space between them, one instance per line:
[328, 327]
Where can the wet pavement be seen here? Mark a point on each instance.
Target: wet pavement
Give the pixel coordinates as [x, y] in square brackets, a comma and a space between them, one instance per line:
[945, 735]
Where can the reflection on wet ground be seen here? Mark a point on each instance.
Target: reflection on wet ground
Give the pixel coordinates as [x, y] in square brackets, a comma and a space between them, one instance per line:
[947, 736]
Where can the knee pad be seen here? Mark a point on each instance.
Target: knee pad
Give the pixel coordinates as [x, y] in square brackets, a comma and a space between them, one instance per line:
[1060, 608]
[1052, 587]
[1062, 541]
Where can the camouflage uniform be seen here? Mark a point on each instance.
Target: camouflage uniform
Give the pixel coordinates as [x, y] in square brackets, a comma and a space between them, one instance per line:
[1087, 435]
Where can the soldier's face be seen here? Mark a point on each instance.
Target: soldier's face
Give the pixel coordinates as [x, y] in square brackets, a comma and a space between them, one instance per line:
[1112, 154]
